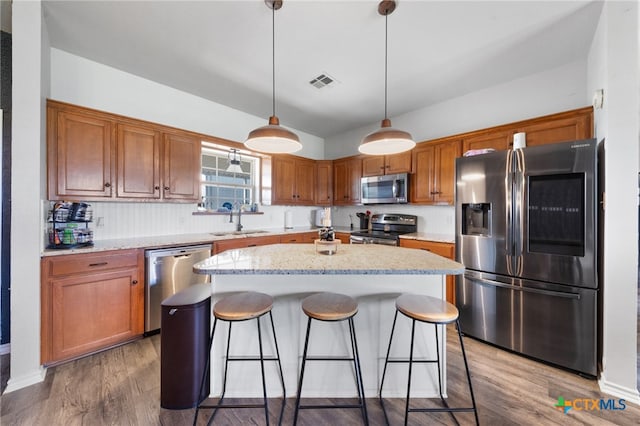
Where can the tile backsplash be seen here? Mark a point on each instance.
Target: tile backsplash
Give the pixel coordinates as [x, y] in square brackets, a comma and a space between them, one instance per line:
[126, 220]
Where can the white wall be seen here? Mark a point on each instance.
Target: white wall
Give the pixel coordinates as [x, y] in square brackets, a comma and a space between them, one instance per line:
[547, 92]
[87, 83]
[28, 128]
[614, 66]
[130, 220]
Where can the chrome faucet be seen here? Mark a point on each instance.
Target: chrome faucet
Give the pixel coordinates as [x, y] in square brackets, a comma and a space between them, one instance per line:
[239, 224]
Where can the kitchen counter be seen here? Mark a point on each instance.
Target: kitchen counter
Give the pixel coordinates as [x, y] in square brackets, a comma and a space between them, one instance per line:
[375, 275]
[178, 240]
[350, 259]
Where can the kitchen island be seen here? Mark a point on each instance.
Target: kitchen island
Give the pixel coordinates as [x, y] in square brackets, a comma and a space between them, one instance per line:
[375, 275]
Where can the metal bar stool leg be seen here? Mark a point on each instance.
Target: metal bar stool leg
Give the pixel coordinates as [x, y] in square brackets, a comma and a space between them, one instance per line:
[304, 359]
[356, 362]
[224, 380]
[384, 371]
[466, 367]
[284, 392]
[264, 380]
[438, 365]
[406, 409]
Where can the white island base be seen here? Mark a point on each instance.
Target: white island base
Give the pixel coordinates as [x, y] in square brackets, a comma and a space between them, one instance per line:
[375, 295]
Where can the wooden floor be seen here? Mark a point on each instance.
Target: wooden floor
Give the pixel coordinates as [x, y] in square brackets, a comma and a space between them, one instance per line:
[121, 386]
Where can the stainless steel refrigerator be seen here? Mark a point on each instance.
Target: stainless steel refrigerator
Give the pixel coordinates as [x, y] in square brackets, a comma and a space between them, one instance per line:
[526, 232]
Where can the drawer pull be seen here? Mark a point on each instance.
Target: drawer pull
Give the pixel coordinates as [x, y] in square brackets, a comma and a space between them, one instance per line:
[99, 264]
[134, 282]
[252, 245]
[425, 249]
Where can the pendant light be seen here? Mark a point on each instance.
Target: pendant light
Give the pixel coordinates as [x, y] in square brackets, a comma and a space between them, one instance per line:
[272, 138]
[386, 140]
[234, 161]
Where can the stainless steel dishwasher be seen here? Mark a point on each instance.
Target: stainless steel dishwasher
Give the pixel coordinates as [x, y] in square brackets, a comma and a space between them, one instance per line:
[167, 272]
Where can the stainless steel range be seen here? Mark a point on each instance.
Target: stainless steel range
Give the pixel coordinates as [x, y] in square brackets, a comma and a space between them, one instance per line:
[386, 228]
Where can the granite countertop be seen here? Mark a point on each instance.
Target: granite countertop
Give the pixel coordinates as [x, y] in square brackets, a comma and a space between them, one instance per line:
[361, 259]
[179, 240]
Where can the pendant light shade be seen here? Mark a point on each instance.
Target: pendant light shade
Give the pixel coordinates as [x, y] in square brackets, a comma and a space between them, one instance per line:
[386, 140]
[272, 138]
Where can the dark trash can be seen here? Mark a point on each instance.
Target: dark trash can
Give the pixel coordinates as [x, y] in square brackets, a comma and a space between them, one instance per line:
[184, 347]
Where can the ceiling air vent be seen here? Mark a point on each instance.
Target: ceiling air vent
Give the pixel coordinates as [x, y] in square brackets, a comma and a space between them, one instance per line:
[321, 81]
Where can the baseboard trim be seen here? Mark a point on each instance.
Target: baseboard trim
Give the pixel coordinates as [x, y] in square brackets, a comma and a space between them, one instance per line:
[628, 394]
[5, 349]
[32, 378]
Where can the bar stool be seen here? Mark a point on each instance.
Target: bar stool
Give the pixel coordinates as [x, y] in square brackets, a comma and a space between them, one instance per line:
[236, 308]
[437, 312]
[332, 307]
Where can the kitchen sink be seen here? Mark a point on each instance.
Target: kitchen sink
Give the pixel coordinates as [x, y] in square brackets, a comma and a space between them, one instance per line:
[247, 232]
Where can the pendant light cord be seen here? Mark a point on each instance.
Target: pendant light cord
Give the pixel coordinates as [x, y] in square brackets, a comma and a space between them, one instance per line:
[386, 16]
[273, 57]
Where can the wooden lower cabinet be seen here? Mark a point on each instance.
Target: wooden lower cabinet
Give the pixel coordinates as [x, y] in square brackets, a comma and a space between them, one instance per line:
[90, 302]
[344, 237]
[236, 243]
[300, 237]
[441, 249]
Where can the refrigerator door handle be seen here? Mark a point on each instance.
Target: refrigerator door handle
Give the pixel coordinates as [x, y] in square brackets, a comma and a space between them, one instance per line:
[524, 289]
[508, 184]
[518, 222]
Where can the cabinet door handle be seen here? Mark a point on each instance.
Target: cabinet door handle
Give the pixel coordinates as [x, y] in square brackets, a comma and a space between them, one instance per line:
[107, 185]
[156, 187]
[134, 282]
[99, 264]
[166, 188]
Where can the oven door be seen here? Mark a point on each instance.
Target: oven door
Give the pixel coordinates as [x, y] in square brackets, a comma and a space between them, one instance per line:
[555, 212]
[358, 239]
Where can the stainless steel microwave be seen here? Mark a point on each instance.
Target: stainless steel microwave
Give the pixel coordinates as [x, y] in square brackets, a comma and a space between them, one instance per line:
[387, 189]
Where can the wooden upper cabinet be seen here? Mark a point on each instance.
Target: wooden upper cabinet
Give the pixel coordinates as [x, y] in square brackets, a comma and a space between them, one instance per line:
[346, 180]
[79, 156]
[138, 157]
[386, 164]
[305, 182]
[284, 173]
[293, 180]
[182, 167]
[445, 171]
[560, 129]
[373, 165]
[433, 180]
[324, 183]
[499, 141]
[94, 155]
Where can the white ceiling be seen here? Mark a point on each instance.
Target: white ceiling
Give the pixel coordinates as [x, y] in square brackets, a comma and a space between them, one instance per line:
[221, 50]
